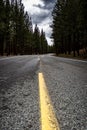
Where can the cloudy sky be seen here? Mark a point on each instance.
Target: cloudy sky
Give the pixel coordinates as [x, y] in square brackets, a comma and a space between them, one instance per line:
[40, 12]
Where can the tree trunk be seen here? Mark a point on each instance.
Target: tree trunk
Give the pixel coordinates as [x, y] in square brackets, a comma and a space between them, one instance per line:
[74, 53]
[78, 52]
[1, 45]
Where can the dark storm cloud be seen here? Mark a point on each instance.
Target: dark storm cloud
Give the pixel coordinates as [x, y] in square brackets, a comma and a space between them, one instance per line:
[40, 17]
[47, 6]
[48, 1]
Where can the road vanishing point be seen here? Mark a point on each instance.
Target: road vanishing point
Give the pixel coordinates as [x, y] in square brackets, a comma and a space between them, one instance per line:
[43, 92]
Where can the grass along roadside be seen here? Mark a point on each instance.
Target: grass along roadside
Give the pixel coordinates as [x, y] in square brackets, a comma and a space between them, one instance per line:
[71, 56]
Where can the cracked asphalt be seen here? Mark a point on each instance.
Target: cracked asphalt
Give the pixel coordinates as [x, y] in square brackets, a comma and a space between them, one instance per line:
[66, 81]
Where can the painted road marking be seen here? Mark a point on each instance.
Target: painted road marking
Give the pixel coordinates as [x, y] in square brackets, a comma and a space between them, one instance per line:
[48, 119]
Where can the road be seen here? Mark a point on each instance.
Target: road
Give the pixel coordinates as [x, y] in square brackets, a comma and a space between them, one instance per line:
[66, 81]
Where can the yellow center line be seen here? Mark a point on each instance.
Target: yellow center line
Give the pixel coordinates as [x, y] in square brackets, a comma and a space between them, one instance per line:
[48, 119]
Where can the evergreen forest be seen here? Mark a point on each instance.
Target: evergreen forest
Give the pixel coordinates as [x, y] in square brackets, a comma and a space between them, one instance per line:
[69, 27]
[17, 36]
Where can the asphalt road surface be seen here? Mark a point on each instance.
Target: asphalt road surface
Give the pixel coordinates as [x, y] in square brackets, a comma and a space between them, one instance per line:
[66, 81]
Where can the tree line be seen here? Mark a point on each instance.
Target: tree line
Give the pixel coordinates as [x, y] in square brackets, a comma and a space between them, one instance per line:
[16, 31]
[69, 26]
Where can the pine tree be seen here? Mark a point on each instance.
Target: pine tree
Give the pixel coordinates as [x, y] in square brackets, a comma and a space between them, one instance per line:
[36, 40]
[58, 27]
[7, 27]
[82, 23]
[43, 43]
[21, 29]
[2, 26]
[28, 36]
[16, 31]
[66, 26]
